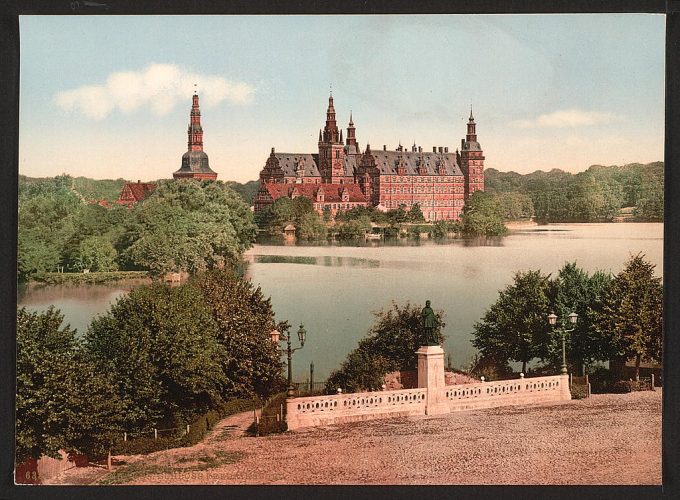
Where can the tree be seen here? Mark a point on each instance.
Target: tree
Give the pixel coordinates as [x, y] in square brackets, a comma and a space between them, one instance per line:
[515, 205]
[354, 229]
[630, 313]
[515, 327]
[483, 216]
[64, 401]
[389, 345]
[95, 253]
[575, 291]
[160, 343]
[188, 226]
[416, 214]
[250, 360]
[311, 227]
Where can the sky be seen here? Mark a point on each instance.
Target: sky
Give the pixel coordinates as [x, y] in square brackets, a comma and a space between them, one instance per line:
[109, 96]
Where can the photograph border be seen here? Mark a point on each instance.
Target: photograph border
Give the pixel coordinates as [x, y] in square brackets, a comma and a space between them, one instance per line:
[9, 141]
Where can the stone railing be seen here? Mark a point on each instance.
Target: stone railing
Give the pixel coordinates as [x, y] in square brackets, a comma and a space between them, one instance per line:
[338, 408]
[507, 392]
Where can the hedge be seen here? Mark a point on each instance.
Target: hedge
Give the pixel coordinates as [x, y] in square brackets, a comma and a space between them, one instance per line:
[198, 428]
[83, 278]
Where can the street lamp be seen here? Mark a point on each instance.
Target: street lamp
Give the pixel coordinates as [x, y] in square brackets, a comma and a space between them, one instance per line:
[552, 319]
[276, 337]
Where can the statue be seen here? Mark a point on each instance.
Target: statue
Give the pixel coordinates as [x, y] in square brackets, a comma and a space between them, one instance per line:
[430, 324]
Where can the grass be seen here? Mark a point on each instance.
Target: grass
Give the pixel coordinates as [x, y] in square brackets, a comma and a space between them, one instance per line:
[132, 472]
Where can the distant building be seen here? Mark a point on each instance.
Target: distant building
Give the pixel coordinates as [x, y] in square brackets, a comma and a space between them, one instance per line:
[194, 162]
[438, 181]
[134, 192]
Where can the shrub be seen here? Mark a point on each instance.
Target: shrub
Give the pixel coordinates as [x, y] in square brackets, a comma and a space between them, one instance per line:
[269, 423]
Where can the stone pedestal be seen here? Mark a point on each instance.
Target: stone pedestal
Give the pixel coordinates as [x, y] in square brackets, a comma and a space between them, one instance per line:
[431, 377]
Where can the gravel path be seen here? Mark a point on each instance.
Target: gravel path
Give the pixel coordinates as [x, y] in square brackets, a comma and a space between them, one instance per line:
[606, 439]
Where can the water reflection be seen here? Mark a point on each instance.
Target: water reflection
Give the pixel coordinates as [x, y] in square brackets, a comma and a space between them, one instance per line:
[325, 260]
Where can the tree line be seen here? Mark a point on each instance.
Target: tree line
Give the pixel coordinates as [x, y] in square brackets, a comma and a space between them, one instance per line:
[619, 316]
[182, 226]
[595, 195]
[160, 356]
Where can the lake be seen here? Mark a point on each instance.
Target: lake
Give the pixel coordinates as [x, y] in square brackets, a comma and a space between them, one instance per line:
[334, 289]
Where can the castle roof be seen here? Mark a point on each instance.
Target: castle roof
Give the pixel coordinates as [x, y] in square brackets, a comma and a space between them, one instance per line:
[331, 192]
[386, 161]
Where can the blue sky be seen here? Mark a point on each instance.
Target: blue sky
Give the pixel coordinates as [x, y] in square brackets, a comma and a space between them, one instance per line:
[109, 97]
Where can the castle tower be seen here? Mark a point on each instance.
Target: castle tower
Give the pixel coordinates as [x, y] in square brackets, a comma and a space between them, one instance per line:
[331, 149]
[195, 160]
[351, 142]
[472, 159]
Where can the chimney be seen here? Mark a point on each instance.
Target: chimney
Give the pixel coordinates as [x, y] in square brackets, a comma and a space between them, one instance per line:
[462, 144]
[384, 147]
[138, 181]
[446, 149]
[434, 149]
[441, 150]
[420, 149]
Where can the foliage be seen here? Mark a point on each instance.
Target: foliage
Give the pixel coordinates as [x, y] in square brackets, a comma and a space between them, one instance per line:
[629, 314]
[515, 326]
[311, 227]
[64, 401]
[573, 290]
[389, 345]
[594, 195]
[515, 206]
[415, 214]
[488, 368]
[98, 189]
[482, 216]
[160, 344]
[81, 278]
[244, 319]
[269, 422]
[188, 226]
[246, 191]
[353, 229]
[285, 211]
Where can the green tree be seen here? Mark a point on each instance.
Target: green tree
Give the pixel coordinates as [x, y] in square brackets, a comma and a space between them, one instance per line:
[515, 327]
[161, 345]
[95, 253]
[354, 229]
[416, 214]
[575, 291]
[250, 361]
[515, 206]
[483, 216]
[311, 227]
[187, 226]
[630, 313]
[64, 401]
[286, 211]
[389, 345]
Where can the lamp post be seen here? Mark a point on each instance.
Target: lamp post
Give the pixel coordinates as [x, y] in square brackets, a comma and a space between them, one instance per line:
[552, 319]
[276, 336]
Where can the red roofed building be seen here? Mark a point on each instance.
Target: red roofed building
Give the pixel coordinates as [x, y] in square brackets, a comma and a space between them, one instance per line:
[134, 192]
[335, 197]
[438, 182]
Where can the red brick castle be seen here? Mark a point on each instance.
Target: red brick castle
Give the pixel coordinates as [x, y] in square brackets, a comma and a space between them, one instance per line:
[341, 177]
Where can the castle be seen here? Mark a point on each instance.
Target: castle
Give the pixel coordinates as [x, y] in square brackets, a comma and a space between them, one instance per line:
[341, 177]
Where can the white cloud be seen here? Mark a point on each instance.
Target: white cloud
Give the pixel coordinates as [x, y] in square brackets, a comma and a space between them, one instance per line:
[567, 118]
[158, 86]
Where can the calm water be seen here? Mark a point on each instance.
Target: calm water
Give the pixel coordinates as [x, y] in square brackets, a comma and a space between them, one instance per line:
[333, 289]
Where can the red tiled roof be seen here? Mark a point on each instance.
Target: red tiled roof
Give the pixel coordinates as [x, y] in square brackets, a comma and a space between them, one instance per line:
[331, 192]
[136, 191]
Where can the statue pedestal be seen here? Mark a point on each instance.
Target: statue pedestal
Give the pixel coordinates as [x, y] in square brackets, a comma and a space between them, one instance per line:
[431, 377]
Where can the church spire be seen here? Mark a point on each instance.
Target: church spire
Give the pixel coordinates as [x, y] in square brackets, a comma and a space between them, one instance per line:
[351, 135]
[471, 128]
[195, 131]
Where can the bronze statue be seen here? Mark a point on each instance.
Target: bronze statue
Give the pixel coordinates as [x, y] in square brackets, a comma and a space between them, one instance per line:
[430, 324]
